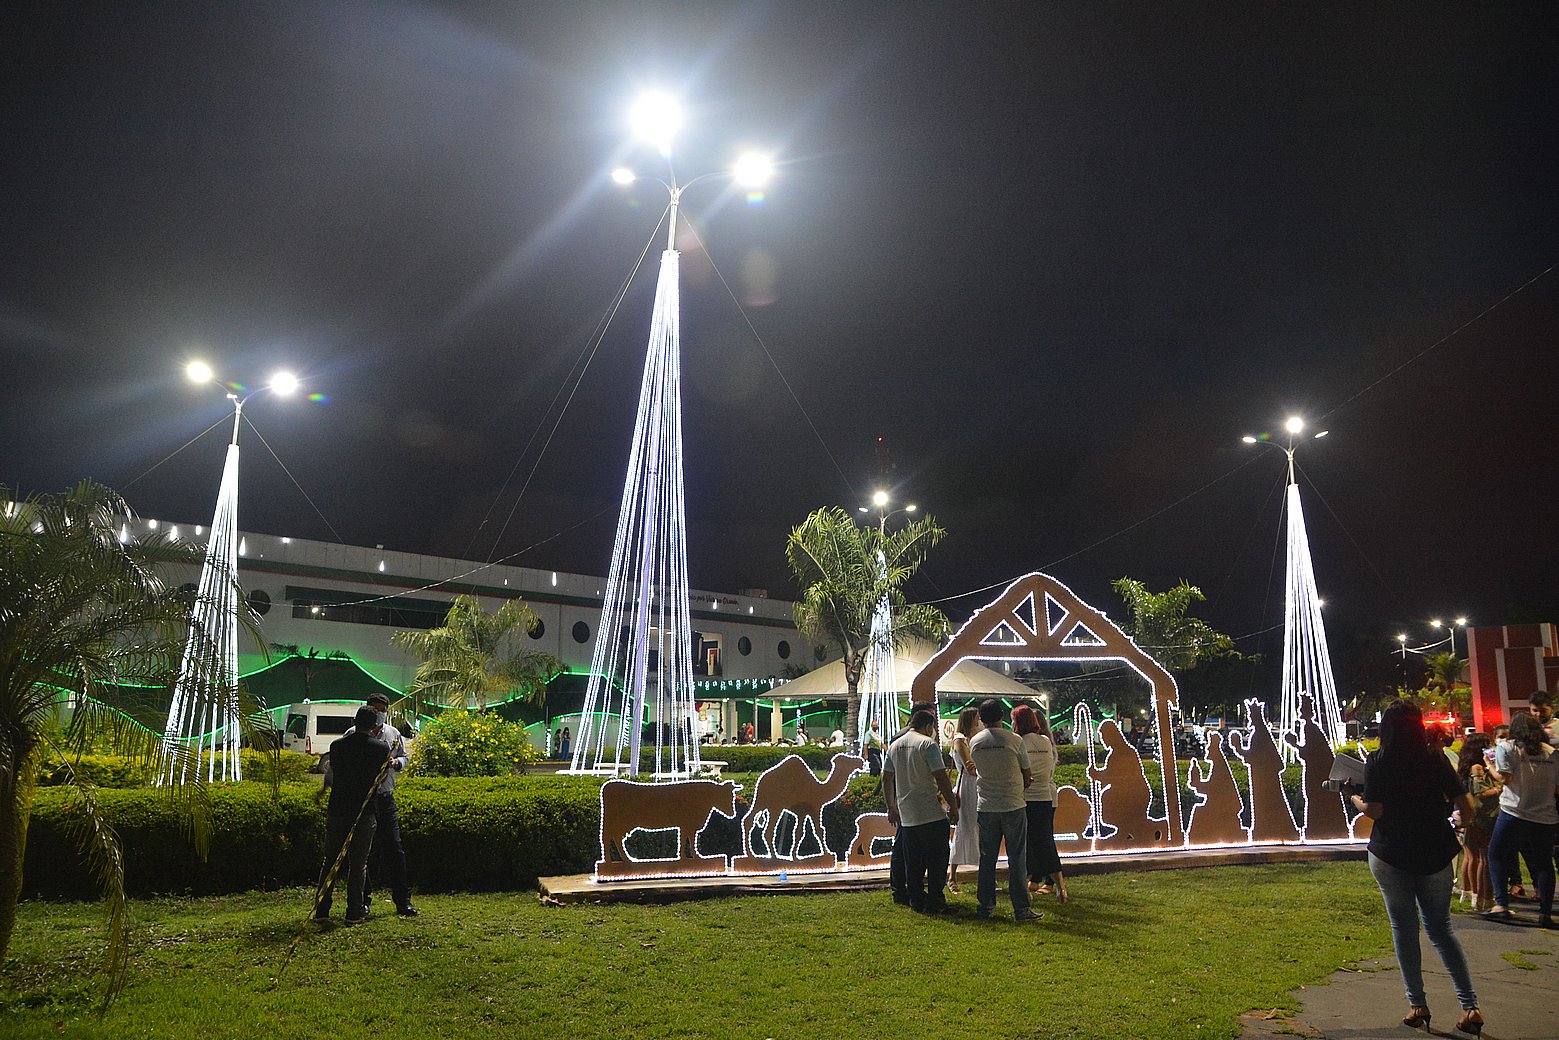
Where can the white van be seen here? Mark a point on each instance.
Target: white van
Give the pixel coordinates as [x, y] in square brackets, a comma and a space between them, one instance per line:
[312, 725]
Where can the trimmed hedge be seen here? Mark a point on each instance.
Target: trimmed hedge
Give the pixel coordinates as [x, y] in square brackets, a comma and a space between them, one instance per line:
[497, 833]
[755, 758]
[118, 771]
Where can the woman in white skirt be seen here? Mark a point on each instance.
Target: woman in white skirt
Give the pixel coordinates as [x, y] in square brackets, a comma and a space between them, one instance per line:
[966, 835]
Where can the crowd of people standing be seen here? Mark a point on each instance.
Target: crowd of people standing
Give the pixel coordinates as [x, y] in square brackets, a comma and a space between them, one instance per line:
[1005, 797]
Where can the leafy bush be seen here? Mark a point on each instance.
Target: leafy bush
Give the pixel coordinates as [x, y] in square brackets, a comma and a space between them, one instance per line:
[97, 770]
[486, 833]
[755, 758]
[462, 743]
[119, 771]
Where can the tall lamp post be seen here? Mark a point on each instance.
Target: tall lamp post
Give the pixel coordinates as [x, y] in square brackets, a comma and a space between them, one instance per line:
[199, 721]
[880, 699]
[641, 668]
[1307, 664]
[1450, 630]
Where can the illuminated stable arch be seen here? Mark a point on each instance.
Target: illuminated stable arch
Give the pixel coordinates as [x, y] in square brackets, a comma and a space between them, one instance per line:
[1039, 619]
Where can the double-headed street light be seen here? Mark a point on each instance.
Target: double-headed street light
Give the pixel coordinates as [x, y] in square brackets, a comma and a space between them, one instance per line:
[203, 716]
[1450, 630]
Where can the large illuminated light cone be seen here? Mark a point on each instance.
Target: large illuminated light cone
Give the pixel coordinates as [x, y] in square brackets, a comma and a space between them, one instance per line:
[204, 713]
[1307, 666]
[879, 686]
[641, 669]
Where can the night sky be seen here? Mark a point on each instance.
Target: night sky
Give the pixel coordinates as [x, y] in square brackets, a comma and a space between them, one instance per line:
[1059, 256]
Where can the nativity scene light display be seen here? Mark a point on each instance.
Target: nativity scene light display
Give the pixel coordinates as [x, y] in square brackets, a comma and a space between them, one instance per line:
[1037, 619]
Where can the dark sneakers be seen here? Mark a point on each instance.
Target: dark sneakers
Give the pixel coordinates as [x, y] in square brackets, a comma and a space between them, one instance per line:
[406, 911]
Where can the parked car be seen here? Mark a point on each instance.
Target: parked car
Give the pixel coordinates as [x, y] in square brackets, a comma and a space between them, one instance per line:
[312, 725]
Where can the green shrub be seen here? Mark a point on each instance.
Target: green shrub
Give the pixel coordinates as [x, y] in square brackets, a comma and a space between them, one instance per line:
[755, 758]
[119, 771]
[473, 834]
[463, 743]
[98, 770]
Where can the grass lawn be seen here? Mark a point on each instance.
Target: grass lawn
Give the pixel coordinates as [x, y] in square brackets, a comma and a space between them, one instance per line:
[1161, 954]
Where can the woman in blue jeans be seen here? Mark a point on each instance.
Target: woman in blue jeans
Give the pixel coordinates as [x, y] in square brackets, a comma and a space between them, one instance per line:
[1527, 817]
[1409, 790]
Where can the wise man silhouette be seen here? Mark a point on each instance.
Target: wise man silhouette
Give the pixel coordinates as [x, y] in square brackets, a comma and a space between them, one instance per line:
[1216, 820]
[1325, 817]
[1271, 819]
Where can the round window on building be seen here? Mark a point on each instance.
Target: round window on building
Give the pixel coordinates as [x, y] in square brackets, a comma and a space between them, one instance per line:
[783, 649]
[581, 632]
[541, 630]
[259, 602]
[744, 646]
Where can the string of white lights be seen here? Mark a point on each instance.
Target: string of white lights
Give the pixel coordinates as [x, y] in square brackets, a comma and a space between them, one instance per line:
[880, 699]
[641, 669]
[1307, 664]
[204, 713]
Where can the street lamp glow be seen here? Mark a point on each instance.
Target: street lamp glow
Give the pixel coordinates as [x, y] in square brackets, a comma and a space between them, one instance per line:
[910, 508]
[1294, 425]
[1436, 623]
[198, 372]
[656, 117]
[1402, 638]
[284, 383]
[624, 176]
[1461, 621]
[1248, 439]
[753, 169]
[1323, 433]
[880, 499]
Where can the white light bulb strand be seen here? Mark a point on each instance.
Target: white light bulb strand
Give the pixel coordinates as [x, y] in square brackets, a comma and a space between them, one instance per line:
[1307, 666]
[204, 712]
[641, 665]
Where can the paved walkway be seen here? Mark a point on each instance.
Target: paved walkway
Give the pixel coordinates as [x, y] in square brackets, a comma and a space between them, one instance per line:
[1514, 968]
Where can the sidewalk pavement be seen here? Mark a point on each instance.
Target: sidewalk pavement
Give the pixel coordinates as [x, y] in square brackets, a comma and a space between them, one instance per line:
[1515, 970]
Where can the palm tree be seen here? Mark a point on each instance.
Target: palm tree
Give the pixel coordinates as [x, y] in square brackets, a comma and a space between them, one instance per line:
[844, 570]
[472, 659]
[86, 621]
[1161, 624]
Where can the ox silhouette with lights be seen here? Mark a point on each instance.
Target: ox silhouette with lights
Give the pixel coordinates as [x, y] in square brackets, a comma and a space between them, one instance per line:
[628, 807]
[1035, 619]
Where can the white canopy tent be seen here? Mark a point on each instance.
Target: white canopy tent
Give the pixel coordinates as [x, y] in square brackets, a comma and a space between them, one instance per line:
[966, 680]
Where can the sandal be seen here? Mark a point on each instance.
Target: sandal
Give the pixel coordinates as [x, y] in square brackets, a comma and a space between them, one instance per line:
[1471, 1022]
[1417, 1016]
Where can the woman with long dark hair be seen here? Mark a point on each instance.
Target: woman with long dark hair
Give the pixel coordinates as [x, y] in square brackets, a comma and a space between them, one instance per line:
[1527, 816]
[1044, 862]
[1477, 775]
[1409, 789]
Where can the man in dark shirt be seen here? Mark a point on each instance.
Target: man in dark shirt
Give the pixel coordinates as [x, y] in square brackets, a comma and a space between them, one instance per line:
[357, 762]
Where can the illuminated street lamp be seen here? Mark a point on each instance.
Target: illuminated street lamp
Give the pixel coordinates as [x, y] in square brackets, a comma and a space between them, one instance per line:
[198, 722]
[1450, 630]
[1307, 664]
[641, 667]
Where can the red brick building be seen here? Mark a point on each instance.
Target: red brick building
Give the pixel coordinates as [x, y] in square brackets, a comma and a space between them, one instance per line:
[1507, 664]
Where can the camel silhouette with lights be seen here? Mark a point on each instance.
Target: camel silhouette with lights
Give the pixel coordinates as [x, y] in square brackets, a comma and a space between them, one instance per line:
[790, 787]
[1039, 619]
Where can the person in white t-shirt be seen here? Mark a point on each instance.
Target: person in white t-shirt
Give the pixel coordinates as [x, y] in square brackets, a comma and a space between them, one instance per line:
[920, 800]
[1003, 767]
